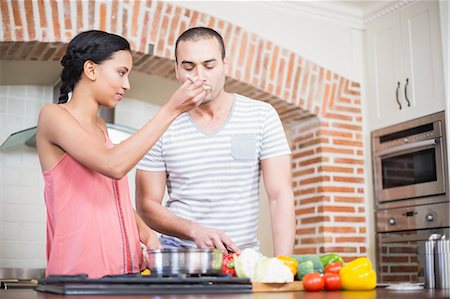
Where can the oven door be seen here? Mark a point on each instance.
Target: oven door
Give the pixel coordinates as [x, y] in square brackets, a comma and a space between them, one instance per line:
[410, 171]
[401, 255]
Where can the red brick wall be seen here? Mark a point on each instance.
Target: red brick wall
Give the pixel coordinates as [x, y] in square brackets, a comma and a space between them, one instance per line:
[329, 179]
[322, 109]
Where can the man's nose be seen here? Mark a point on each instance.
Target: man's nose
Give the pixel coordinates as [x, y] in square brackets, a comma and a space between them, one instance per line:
[200, 74]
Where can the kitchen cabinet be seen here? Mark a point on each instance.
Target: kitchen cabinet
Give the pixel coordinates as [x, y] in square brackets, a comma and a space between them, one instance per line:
[405, 70]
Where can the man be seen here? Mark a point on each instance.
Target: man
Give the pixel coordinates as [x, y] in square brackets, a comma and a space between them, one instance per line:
[211, 159]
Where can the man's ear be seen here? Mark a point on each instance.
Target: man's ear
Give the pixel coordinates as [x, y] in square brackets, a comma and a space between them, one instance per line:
[90, 69]
[226, 65]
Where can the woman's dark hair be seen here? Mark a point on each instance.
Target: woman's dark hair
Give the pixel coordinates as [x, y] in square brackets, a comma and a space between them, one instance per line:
[93, 45]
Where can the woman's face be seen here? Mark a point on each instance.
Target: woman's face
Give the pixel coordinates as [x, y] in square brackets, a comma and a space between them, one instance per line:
[111, 80]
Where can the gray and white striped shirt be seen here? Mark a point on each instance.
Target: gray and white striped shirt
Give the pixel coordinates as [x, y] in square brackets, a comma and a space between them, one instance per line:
[213, 179]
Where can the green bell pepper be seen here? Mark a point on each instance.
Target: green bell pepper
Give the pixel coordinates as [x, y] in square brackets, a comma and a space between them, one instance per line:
[330, 258]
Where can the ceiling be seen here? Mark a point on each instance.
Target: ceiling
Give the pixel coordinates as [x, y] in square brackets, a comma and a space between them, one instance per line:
[356, 13]
[355, 8]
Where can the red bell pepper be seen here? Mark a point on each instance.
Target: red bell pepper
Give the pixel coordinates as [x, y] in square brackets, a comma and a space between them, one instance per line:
[228, 265]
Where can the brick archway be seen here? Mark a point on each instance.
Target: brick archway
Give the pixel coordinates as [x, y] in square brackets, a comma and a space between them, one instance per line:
[321, 108]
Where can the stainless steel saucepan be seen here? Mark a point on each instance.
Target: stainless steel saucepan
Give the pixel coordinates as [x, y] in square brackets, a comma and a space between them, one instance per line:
[185, 261]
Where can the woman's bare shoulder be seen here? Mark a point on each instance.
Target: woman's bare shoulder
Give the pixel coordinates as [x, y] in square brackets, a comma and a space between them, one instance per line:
[50, 112]
[49, 109]
[53, 118]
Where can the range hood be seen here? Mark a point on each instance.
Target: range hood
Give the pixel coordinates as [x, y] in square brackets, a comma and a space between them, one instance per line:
[117, 133]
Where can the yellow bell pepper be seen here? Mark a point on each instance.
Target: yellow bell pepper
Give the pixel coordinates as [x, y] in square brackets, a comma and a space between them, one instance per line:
[290, 262]
[358, 275]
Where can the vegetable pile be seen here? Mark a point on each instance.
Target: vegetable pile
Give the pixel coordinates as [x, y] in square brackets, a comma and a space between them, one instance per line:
[317, 272]
[357, 275]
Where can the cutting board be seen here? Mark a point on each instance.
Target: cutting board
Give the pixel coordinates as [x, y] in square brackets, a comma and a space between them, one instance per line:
[260, 287]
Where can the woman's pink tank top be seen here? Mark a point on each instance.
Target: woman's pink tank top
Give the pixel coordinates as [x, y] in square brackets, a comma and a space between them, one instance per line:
[91, 226]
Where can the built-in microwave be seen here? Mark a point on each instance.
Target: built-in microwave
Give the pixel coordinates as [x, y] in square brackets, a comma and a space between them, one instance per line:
[409, 160]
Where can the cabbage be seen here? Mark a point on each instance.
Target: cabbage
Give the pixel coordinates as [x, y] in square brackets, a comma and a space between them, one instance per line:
[245, 263]
[252, 264]
[272, 270]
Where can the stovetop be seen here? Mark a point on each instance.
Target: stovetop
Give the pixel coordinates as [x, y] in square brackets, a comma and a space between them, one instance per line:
[136, 284]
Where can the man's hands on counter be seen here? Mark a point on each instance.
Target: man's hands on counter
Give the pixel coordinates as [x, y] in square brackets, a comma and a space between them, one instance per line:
[206, 237]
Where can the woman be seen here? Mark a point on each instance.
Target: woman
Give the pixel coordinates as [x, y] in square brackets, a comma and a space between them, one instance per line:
[91, 225]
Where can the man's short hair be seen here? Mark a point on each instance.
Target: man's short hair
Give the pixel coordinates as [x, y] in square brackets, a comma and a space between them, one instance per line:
[198, 33]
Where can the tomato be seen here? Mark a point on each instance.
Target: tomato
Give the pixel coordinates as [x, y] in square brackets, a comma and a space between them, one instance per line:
[313, 282]
[333, 267]
[332, 281]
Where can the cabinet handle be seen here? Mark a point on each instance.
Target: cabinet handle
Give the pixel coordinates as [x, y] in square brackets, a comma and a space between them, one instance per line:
[406, 94]
[396, 95]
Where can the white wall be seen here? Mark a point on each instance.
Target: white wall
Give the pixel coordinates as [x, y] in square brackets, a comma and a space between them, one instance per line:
[444, 11]
[327, 44]
[22, 208]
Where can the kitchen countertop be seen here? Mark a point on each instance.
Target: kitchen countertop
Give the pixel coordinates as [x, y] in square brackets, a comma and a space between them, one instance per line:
[379, 293]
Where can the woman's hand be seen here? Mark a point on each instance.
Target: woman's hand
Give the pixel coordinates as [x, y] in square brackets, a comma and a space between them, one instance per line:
[153, 242]
[188, 96]
[147, 236]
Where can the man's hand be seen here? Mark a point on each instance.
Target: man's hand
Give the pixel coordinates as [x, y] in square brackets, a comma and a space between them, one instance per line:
[206, 237]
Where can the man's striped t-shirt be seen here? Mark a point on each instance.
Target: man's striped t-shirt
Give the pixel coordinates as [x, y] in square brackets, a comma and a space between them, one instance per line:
[213, 179]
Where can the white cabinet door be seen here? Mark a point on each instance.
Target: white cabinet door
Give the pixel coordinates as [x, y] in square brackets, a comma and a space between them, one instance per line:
[384, 57]
[422, 59]
[405, 71]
